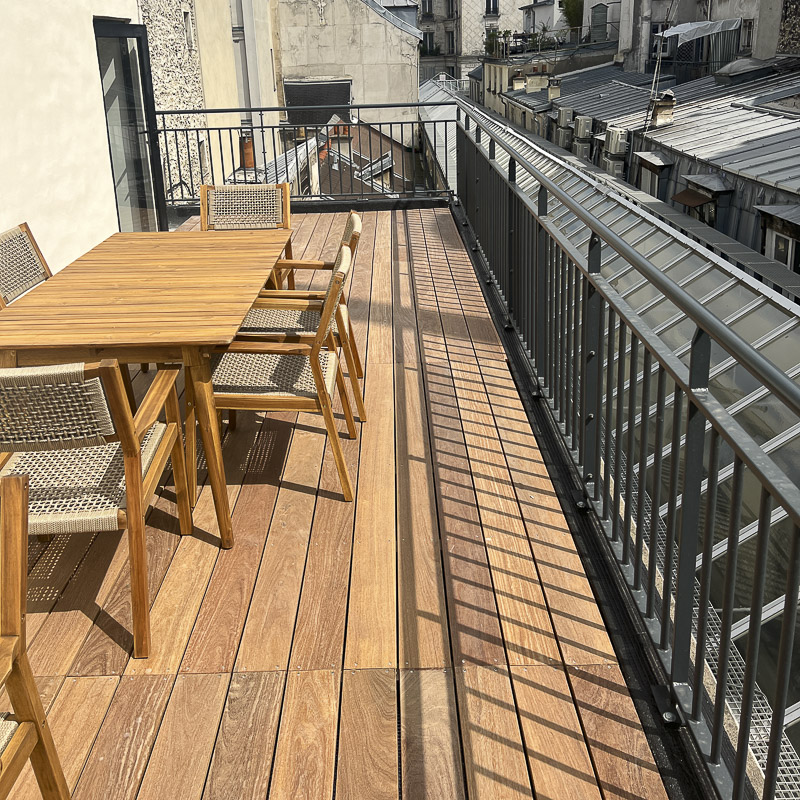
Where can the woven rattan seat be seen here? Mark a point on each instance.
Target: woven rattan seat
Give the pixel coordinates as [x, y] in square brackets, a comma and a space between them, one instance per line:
[7, 730]
[79, 490]
[21, 264]
[271, 374]
[287, 321]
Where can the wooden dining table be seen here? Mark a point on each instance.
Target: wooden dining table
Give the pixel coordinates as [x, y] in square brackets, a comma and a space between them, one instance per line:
[151, 297]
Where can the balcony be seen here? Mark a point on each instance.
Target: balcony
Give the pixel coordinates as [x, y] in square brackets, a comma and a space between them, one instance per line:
[438, 634]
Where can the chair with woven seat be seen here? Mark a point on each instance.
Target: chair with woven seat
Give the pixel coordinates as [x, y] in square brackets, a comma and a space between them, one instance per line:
[24, 734]
[249, 206]
[287, 376]
[294, 316]
[94, 466]
[22, 268]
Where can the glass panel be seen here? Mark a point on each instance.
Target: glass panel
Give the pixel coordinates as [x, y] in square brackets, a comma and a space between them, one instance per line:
[127, 133]
[758, 322]
[781, 251]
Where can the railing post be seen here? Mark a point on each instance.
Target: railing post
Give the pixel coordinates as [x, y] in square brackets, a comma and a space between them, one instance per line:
[541, 288]
[512, 221]
[592, 333]
[690, 511]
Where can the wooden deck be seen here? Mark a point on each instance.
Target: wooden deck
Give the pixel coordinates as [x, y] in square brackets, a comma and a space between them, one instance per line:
[437, 638]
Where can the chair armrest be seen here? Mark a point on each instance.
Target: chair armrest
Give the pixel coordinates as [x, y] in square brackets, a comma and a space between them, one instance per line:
[288, 302]
[290, 293]
[9, 647]
[154, 400]
[265, 347]
[296, 263]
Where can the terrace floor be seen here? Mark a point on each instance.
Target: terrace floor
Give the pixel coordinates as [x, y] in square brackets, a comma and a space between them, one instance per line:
[436, 638]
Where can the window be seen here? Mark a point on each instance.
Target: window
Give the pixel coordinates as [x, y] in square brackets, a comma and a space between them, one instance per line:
[451, 42]
[451, 9]
[648, 181]
[427, 8]
[188, 30]
[784, 249]
[746, 35]
[492, 8]
[427, 42]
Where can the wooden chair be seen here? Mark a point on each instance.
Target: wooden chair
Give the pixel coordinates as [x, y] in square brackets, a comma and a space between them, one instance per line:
[22, 267]
[93, 466]
[249, 206]
[285, 376]
[25, 734]
[293, 316]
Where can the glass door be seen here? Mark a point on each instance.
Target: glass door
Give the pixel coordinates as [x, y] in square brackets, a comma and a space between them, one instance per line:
[130, 118]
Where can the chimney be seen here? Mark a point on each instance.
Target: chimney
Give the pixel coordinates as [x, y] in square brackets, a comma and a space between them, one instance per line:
[767, 29]
[536, 82]
[663, 109]
[519, 82]
[554, 89]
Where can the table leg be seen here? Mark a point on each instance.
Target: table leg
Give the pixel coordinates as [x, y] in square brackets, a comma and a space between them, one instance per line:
[199, 370]
[190, 435]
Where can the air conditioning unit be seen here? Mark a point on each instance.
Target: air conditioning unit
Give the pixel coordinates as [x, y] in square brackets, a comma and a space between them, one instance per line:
[583, 127]
[564, 137]
[582, 150]
[564, 117]
[616, 141]
[613, 166]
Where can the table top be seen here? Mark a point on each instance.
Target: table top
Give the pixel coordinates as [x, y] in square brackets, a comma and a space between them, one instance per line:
[148, 289]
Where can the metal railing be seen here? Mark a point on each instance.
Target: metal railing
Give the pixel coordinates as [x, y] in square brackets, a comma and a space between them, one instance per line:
[609, 381]
[348, 152]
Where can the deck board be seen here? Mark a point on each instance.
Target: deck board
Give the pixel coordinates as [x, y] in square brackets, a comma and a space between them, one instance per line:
[437, 638]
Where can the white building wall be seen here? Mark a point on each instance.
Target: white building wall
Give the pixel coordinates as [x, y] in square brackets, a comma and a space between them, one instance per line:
[348, 39]
[54, 159]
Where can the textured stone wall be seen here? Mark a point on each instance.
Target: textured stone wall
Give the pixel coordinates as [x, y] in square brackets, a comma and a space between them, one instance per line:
[177, 84]
[789, 37]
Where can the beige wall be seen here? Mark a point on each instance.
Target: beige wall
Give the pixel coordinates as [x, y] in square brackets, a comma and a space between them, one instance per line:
[54, 161]
[348, 39]
[215, 45]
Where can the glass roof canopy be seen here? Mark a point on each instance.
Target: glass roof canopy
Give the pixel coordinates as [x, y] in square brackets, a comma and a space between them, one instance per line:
[762, 317]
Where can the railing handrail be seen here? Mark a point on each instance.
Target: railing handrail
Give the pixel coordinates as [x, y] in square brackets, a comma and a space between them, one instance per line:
[334, 106]
[759, 366]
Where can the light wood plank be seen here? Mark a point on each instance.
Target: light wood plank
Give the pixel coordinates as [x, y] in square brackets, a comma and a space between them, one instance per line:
[367, 759]
[622, 757]
[429, 741]
[557, 753]
[118, 759]
[306, 748]
[179, 762]
[242, 761]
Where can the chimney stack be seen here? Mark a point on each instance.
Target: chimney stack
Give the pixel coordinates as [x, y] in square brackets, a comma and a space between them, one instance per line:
[554, 89]
[663, 109]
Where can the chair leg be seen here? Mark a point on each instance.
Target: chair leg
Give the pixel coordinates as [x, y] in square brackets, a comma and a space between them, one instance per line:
[352, 372]
[144, 367]
[190, 436]
[356, 354]
[348, 411]
[290, 279]
[179, 467]
[336, 447]
[27, 706]
[126, 380]
[140, 598]
[231, 419]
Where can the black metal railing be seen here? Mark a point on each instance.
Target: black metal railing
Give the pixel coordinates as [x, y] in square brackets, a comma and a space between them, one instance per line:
[325, 152]
[665, 466]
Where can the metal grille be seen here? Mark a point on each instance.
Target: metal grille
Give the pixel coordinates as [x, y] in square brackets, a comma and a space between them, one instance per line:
[20, 266]
[47, 408]
[256, 206]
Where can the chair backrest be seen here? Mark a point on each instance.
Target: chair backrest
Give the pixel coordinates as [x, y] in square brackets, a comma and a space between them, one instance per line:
[250, 206]
[63, 407]
[13, 555]
[21, 264]
[352, 232]
[341, 269]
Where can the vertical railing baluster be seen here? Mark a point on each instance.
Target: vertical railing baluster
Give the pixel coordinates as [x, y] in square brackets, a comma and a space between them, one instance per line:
[621, 346]
[699, 366]
[609, 405]
[592, 361]
[655, 500]
[629, 449]
[641, 475]
[577, 279]
[541, 285]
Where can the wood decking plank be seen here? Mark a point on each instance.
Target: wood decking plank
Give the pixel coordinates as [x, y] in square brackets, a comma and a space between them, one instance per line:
[118, 759]
[619, 748]
[557, 753]
[218, 628]
[367, 757]
[306, 748]
[182, 752]
[430, 746]
[242, 760]
[494, 755]
[74, 718]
